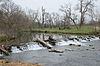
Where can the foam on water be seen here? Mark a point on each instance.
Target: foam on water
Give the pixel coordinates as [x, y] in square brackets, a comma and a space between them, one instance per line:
[75, 42]
[82, 40]
[27, 47]
[95, 38]
[61, 43]
[15, 50]
[34, 46]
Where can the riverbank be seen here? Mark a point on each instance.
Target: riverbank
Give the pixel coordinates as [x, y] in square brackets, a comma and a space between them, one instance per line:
[7, 63]
[84, 30]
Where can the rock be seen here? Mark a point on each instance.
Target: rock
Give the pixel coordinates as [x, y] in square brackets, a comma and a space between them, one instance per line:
[19, 48]
[71, 38]
[93, 48]
[78, 45]
[87, 49]
[60, 54]
[90, 45]
[77, 39]
[51, 38]
[74, 45]
[71, 44]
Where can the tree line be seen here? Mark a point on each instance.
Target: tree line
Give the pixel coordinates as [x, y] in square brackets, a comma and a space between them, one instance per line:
[13, 18]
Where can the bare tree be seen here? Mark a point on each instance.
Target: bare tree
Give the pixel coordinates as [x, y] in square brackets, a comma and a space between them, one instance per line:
[34, 17]
[69, 16]
[84, 7]
[13, 18]
[56, 19]
[49, 20]
[43, 15]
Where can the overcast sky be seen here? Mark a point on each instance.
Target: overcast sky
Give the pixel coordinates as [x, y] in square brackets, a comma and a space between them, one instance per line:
[49, 5]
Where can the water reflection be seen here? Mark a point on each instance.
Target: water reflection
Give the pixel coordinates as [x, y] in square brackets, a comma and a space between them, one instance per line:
[62, 39]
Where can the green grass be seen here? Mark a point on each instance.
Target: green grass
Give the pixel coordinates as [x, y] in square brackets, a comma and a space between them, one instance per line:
[82, 30]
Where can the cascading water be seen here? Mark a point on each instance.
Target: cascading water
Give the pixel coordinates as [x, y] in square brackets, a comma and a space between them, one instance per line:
[27, 47]
[77, 41]
[15, 50]
[64, 40]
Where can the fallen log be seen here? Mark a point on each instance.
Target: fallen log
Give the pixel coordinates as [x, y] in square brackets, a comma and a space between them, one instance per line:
[4, 50]
[57, 51]
[44, 43]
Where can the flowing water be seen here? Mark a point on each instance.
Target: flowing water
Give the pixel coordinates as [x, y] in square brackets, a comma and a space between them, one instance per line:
[62, 40]
[35, 52]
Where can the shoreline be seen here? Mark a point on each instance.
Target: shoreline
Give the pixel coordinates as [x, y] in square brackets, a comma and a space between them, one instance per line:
[61, 32]
[7, 63]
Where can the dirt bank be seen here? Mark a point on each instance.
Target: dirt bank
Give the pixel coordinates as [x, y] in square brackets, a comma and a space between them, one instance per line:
[6, 63]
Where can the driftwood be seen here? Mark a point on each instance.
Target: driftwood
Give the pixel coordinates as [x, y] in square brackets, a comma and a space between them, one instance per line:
[2, 48]
[57, 51]
[6, 48]
[43, 43]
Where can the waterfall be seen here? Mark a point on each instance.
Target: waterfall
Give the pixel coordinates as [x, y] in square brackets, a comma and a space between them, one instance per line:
[28, 46]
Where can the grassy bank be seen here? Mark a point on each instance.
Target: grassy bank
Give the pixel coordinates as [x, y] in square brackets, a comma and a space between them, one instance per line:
[87, 30]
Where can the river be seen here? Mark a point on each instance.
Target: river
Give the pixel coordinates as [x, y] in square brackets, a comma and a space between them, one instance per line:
[88, 54]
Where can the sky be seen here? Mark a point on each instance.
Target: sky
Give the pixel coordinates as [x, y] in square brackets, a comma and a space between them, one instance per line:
[49, 5]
